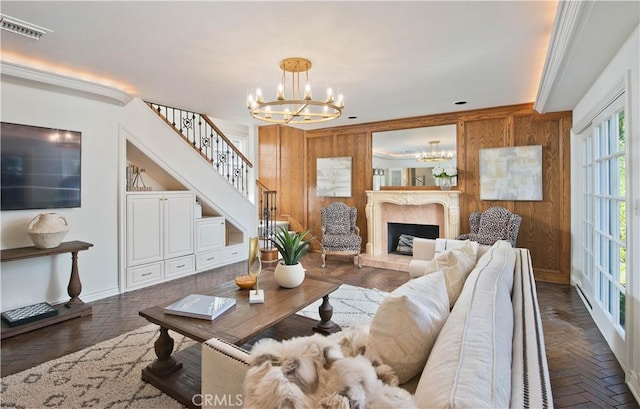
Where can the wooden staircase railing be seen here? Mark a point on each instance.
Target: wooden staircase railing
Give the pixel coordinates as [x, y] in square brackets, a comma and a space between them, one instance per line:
[210, 142]
[266, 220]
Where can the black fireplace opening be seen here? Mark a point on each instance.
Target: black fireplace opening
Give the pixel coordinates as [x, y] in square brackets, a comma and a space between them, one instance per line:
[406, 232]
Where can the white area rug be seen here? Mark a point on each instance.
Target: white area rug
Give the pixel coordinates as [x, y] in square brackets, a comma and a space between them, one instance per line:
[107, 375]
[351, 305]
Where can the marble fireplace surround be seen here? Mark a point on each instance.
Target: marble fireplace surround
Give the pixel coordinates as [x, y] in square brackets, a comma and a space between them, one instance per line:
[437, 207]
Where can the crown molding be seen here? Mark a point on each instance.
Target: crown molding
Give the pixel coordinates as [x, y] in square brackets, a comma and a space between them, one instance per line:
[570, 20]
[93, 90]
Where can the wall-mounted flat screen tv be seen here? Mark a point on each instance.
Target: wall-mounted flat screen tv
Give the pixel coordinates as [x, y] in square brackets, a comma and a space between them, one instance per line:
[40, 167]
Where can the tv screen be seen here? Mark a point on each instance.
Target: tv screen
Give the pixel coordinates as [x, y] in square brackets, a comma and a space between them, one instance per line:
[40, 167]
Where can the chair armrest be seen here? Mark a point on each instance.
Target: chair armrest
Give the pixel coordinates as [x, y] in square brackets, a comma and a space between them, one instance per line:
[224, 367]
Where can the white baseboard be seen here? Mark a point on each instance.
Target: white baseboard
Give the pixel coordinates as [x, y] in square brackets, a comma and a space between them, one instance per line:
[90, 297]
[633, 381]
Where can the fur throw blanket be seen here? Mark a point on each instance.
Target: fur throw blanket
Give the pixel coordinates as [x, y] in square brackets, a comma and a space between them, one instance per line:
[321, 372]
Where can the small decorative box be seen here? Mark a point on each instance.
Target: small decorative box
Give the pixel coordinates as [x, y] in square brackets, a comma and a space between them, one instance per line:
[30, 313]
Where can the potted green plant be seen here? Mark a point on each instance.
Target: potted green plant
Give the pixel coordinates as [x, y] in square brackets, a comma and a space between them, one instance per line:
[289, 273]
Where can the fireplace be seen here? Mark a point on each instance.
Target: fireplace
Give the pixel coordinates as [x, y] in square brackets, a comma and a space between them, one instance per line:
[426, 207]
[394, 230]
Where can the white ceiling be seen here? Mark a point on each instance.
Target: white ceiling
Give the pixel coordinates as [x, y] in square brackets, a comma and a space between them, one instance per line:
[389, 59]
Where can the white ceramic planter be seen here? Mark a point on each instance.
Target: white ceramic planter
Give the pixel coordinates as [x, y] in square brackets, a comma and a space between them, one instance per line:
[289, 276]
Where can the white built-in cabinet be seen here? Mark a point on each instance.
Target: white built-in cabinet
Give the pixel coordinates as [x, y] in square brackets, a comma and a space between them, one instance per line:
[159, 237]
[164, 240]
[210, 241]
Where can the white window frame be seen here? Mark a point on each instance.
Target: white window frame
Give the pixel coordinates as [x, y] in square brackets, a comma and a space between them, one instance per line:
[601, 198]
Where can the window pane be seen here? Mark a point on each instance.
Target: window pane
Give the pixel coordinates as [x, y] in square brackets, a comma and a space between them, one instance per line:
[623, 266]
[607, 259]
[622, 310]
[614, 218]
[601, 287]
[622, 172]
[606, 186]
[622, 220]
[622, 143]
[614, 260]
[612, 299]
[606, 138]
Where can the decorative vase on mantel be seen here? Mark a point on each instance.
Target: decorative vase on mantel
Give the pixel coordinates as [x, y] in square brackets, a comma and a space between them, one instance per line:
[47, 230]
[446, 183]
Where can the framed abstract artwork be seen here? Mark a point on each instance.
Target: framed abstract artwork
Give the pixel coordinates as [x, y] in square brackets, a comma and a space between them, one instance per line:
[334, 177]
[513, 173]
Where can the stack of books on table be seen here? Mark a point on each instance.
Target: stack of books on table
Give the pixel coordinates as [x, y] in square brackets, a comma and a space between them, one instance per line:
[207, 307]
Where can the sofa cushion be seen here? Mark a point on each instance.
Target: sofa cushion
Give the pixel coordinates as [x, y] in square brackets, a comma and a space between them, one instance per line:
[456, 264]
[407, 324]
[470, 364]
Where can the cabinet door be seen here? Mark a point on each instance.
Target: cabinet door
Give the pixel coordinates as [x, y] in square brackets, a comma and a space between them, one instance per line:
[178, 224]
[209, 234]
[144, 229]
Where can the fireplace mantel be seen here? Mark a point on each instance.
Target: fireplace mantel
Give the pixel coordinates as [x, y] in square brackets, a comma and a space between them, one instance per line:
[449, 199]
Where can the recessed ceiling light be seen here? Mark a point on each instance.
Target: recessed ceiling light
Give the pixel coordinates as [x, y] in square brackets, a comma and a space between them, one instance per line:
[22, 27]
[460, 102]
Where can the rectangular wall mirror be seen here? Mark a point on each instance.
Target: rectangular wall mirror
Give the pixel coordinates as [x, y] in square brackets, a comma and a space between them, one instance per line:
[395, 155]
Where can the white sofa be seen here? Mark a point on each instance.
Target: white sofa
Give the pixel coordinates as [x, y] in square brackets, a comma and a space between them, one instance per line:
[489, 352]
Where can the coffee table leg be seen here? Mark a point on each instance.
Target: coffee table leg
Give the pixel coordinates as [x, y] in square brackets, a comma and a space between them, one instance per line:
[326, 326]
[165, 363]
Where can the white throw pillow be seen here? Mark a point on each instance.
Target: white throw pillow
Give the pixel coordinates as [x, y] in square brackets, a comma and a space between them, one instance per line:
[407, 324]
[456, 264]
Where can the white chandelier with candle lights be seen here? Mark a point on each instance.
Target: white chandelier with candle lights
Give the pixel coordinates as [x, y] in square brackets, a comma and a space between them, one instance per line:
[295, 105]
[434, 154]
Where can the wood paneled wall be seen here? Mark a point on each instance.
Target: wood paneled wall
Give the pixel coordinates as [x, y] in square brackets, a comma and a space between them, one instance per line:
[281, 168]
[545, 228]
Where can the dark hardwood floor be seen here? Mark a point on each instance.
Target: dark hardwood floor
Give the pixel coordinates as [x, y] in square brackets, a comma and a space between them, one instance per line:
[583, 370]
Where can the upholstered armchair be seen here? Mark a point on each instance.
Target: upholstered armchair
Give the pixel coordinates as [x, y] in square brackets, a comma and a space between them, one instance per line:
[340, 235]
[495, 223]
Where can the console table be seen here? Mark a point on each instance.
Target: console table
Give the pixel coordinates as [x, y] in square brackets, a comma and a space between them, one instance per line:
[73, 308]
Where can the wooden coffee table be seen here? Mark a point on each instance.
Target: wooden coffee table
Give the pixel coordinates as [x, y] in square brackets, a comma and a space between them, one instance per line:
[178, 374]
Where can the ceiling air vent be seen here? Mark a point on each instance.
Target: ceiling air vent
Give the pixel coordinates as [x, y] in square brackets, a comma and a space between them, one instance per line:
[22, 27]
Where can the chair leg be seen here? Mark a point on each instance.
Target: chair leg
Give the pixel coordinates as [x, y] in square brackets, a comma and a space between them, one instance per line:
[357, 256]
[324, 259]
